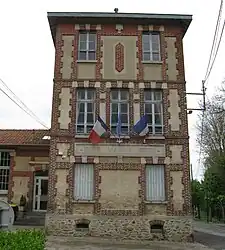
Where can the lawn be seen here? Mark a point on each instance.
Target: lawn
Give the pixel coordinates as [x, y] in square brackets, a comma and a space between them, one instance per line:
[22, 240]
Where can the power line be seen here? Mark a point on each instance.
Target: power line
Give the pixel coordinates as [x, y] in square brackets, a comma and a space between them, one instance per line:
[215, 36]
[217, 49]
[29, 112]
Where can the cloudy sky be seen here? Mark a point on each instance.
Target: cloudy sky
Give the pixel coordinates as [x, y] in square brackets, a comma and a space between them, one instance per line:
[27, 53]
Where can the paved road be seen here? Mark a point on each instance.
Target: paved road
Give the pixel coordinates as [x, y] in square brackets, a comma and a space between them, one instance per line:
[212, 241]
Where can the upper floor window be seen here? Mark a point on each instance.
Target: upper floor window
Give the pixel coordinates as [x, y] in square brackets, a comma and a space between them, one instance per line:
[153, 108]
[151, 46]
[4, 170]
[87, 46]
[120, 105]
[85, 110]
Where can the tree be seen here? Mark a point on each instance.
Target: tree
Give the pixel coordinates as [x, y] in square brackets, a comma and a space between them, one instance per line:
[211, 139]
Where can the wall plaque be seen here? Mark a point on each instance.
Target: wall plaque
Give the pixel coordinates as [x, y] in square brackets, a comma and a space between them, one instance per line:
[113, 149]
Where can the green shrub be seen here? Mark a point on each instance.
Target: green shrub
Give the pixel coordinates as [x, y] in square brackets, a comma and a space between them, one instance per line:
[22, 240]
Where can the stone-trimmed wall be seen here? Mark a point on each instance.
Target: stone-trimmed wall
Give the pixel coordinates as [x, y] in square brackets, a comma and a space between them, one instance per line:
[174, 137]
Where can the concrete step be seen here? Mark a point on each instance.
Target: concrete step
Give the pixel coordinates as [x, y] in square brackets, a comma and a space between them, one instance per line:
[31, 219]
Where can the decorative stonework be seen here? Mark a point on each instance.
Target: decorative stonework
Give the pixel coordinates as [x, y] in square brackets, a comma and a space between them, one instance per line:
[119, 57]
[172, 138]
[67, 58]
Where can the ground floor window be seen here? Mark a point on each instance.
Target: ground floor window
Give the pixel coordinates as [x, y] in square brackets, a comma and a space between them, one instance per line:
[84, 182]
[4, 170]
[155, 183]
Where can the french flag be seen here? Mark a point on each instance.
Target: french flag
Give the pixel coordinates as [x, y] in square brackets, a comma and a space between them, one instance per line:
[98, 131]
[141, 127]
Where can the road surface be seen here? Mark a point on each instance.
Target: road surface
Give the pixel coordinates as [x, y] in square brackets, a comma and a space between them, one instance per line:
[212, 241]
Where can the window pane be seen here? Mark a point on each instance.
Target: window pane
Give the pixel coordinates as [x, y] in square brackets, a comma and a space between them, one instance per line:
[114, 118]
[82, 55]
[81, 94]
[114, 95]
[148, 95]
[155, 47]
[155, 56]
[4, 159]
[92, 37]
[83, 37]
[149, 116]
[83, 45]
[90, 94]
[123, 108]
[158, 119]
[146, 56]
[81, 107]
[89, 128]
[158, 130]
[124, 118]
[91, 46]
[148, 108]
[158, 95]
[145, 38]
[114, 108]
[158, 108]
[91, 55]
[90, 107]
[124, 95]
[146, 46]
[155, 38]
[80, 129]
[90, 118]
[124, 130]
[80, 118]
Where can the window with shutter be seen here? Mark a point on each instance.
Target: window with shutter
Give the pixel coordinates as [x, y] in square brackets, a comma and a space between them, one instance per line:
[83, 182]
[155, 183]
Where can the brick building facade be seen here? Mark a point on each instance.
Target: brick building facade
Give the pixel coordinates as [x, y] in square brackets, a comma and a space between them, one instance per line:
[107, 63]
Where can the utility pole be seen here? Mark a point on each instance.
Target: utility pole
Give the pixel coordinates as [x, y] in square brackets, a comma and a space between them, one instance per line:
[203, 98]
[191, 172]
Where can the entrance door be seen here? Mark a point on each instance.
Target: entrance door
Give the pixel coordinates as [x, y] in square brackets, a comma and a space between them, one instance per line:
[40, 193]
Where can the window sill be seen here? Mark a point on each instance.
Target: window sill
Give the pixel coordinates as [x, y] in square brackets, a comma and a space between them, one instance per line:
[3, 192]
[121, 137]
[83, 202]
[81, 136]
[155, 202]
[153, 137]
[86, 61]
[151, 62]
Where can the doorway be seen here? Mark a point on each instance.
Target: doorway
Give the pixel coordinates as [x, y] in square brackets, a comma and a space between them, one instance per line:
[40, 199]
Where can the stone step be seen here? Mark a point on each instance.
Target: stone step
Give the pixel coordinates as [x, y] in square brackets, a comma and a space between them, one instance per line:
[29, 222]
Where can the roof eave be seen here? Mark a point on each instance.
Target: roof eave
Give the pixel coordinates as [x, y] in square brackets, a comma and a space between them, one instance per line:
[55, 18]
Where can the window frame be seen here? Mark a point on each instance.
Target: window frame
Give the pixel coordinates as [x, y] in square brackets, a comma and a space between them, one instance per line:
[119, 102]
[150, 50]
[5, 167]
[85, 101]
[152, 127]
[149, 185]
[76, 196]
[87, 50]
